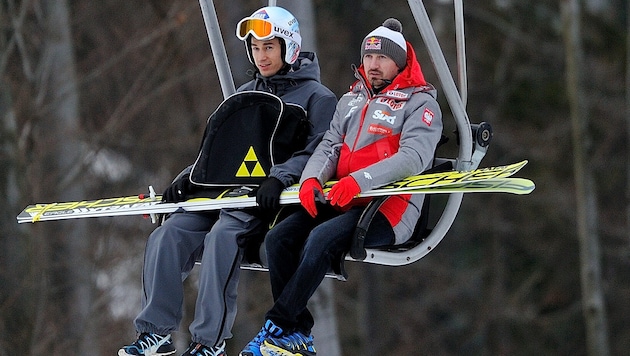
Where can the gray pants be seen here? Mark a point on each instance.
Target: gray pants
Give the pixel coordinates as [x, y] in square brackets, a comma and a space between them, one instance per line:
[170, 255]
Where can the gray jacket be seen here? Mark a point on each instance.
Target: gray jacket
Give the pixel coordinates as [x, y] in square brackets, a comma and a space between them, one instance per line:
[378, 139]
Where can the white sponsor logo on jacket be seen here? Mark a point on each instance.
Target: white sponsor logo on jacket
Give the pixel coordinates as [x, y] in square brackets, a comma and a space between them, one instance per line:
[384, 116]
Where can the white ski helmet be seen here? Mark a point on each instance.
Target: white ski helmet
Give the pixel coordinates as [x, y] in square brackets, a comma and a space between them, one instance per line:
[270, 22]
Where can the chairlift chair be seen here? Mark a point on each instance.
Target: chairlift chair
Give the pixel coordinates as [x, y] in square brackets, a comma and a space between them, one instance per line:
[473, 140]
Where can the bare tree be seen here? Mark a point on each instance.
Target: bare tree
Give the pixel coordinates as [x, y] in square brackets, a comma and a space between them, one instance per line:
[16, 294]
[628, 117]
[323, 301]
[10, 256]
[593, 301]
[58, 88]
[58, 286]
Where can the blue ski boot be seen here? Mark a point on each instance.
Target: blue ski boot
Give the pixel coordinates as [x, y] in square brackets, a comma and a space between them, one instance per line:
[293, 344]
[253, 347]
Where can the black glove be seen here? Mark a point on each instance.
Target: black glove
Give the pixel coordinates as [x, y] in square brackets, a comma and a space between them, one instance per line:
[268, 194]
[178, 190]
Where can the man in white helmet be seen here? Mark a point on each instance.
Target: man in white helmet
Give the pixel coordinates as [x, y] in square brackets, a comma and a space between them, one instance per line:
[273, 42]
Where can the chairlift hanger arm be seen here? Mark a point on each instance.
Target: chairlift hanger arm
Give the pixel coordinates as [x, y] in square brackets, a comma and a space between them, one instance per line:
[448, 84]
[218, 48]
[461, 51]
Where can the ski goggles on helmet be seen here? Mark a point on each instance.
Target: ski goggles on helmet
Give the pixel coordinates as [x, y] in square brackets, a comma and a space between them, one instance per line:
[259, 28]
[263, 30]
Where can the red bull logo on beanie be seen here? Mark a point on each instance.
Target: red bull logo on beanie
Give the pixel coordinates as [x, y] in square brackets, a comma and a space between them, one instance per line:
[373, 43]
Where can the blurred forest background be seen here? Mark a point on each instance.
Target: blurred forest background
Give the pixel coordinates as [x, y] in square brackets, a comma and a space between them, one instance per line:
[103, 98]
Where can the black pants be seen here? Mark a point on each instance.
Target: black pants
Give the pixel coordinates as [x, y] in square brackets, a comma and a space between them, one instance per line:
[300, 251]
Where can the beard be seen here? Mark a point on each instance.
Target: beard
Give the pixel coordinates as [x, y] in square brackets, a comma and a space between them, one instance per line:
[378, 83]
[377, 80]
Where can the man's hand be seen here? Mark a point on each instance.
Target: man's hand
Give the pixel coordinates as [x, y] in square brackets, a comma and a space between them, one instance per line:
[178, 190]
[342, 193]
[311, 190]
[268, 194]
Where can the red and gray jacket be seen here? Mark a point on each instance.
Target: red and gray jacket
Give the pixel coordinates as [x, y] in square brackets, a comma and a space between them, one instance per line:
[378, 139]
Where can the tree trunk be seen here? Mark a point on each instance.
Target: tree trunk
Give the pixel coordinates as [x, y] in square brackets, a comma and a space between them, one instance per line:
[628, 116]
[372, 307]
[593, 304]
[13, 255]
[70, 269]
[325, 330]
[323, 302]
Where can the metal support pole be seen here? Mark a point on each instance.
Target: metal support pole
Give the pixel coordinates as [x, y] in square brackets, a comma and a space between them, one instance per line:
[460, 40]
[218, 48]
[448, 84]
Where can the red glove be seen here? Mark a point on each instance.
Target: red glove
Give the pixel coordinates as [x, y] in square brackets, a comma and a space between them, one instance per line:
[342, 193]
[309, 191]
